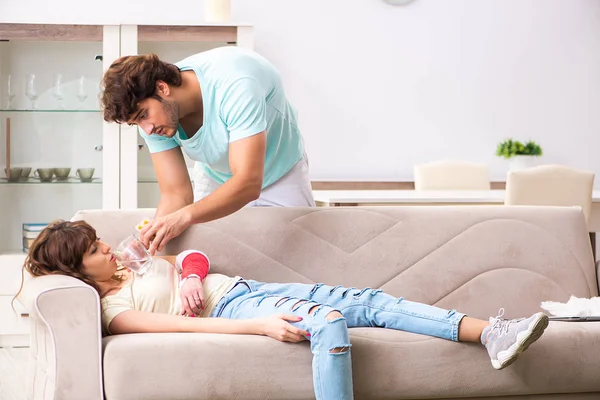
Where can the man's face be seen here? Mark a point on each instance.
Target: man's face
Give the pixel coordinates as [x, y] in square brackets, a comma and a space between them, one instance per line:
[159, 117]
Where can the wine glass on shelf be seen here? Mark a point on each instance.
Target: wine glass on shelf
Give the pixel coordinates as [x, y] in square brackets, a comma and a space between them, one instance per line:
[10, 93]
[30, 90]
[57, 91]
[81, 94]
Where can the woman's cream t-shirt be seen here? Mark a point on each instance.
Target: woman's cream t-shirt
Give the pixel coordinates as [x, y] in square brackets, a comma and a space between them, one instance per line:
[157, 291]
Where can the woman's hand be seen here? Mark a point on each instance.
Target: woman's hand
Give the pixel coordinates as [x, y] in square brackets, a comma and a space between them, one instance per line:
[278, 327]
[192, 297]
[158, 232]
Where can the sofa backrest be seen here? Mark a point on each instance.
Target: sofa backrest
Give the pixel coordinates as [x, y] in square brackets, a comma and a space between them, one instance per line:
[472, 258]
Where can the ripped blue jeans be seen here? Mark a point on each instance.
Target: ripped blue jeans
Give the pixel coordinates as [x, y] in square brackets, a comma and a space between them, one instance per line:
[329, 339]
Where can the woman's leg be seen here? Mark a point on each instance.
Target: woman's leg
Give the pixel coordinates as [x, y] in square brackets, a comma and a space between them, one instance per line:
[372, 307]
[470, 329]
[329, 340]
[503, 339]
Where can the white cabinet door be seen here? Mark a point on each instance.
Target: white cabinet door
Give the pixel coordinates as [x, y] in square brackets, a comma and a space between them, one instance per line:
[57, 155]
[14, 324]
[111, 131]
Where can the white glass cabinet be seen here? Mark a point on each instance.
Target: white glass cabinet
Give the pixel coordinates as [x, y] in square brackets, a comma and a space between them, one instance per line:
[57, 154]
[51, 123]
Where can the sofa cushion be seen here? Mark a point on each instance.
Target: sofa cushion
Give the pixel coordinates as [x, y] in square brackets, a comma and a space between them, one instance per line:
[474, 259]
[205, 366]
[387, 364]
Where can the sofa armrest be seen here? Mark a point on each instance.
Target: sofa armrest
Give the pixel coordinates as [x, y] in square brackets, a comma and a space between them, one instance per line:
[66, 338]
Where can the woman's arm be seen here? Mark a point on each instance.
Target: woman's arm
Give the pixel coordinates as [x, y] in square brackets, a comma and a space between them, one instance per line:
[170, 259]
[133, 321]
[277, 327]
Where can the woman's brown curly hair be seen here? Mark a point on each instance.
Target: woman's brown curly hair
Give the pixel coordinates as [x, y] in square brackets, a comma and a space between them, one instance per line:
[59, 250]
[131, 79]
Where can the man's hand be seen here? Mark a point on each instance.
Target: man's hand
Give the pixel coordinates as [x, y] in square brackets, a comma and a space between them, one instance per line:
[278, 327]
[192, 297]
[158, 232]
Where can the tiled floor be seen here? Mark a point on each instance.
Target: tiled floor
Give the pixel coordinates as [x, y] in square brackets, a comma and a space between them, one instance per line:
[13, 365]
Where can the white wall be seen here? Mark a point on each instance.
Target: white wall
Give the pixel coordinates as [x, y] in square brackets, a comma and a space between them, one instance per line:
[380, 88]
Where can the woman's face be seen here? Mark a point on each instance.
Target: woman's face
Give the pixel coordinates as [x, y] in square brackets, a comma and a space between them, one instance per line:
[99, 263]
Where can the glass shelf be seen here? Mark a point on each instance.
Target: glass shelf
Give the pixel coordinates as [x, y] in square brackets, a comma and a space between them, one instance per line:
[36, 181]
[12, 252]
[49, 111]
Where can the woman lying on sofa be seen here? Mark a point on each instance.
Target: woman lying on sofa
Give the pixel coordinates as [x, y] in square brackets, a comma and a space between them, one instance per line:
[162, 300]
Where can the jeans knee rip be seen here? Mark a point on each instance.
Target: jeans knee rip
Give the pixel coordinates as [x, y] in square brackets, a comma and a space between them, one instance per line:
[372, 292]
[340, 350]
[298, 304]
[282, 301]
[316, 287]
[334, 289]
[257, 302]
[336, 320]
[318, 306]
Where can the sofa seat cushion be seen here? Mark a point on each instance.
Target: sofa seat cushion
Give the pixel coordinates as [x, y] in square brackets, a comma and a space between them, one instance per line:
[161, 366]
[392, 364]
[566, 359]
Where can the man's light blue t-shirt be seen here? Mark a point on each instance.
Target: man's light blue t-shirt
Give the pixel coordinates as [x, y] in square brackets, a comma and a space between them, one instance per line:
[242, 95]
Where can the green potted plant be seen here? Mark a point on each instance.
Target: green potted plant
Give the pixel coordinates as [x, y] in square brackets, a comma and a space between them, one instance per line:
[520, 155]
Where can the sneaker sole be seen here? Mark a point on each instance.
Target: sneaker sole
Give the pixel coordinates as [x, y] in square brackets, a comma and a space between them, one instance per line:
[524, 339]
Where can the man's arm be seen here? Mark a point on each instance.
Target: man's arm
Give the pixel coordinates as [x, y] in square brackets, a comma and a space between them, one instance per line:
[243, 110]
[246, 160]
[173, 181]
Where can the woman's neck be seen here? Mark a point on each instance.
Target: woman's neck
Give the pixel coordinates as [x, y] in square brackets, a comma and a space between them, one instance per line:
[112, 286]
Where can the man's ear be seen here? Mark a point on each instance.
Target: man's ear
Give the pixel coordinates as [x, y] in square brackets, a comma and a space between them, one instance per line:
[162, 89]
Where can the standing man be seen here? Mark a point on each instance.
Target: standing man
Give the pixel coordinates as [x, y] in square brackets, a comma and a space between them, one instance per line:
[227, 109]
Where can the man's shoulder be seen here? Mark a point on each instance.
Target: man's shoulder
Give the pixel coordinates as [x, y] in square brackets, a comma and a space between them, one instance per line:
[224, 54]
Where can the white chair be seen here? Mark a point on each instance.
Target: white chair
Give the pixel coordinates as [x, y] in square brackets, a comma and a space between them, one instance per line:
[452, 175]
[551, 185]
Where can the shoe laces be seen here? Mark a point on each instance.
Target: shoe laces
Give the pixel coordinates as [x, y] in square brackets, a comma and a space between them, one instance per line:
[500, 325]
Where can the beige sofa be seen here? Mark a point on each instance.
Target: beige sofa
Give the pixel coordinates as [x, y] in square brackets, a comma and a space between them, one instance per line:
[476, 259]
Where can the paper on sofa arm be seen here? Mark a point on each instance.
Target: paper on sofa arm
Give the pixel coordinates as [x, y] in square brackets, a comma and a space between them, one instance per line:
[575, 307]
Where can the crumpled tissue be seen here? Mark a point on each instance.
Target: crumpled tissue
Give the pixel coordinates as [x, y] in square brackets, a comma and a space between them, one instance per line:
[575, 307]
